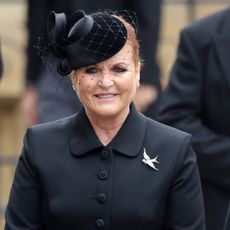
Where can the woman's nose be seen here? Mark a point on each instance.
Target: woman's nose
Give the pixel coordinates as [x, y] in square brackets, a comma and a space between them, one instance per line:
[106, 80]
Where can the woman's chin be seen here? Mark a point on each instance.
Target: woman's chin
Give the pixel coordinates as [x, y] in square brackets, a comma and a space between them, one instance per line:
[108, 110]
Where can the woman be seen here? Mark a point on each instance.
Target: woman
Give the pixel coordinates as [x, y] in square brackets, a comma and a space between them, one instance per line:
[108, 166]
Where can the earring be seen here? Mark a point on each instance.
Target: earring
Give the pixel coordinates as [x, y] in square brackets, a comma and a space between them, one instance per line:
[74, 88]
[138, 84]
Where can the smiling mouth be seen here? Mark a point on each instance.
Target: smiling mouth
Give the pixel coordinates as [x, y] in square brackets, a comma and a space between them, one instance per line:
[105, 96]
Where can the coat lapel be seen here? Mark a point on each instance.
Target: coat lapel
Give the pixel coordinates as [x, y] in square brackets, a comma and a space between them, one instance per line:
[222, 46]
[128, 140]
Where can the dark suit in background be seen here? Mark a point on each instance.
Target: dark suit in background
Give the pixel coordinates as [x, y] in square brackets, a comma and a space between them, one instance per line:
[197, 100]
[56, 98]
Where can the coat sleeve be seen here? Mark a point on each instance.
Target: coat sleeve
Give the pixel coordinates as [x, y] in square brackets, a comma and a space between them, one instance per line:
[185, 204]
[181, 107]
[23, 209]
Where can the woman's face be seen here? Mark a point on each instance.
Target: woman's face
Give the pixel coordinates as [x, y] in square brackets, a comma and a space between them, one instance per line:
[107, 88]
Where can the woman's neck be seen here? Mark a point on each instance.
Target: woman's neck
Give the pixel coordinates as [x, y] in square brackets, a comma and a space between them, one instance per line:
[106, 128]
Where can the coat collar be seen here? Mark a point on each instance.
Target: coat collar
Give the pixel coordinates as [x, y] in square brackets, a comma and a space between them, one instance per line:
[221, 44]
[128, 140]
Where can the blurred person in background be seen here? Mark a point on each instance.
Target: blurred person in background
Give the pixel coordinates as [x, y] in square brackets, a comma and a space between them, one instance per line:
[197, 100]
[107, 167]
[47, 97]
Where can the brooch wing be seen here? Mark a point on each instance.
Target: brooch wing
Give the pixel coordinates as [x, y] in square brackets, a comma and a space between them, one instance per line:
[150, 162]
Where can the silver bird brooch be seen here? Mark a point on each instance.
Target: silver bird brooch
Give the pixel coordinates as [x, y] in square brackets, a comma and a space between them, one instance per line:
[150, 162]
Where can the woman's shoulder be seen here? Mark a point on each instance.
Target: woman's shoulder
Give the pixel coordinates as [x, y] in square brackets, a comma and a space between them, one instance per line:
[54, 124]
[172, 146]
[166, 139]
[56, 127]
[49, 140]
[165, 132]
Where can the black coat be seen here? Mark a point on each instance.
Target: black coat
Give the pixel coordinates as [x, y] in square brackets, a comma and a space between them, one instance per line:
[66, 179]
[197, 101]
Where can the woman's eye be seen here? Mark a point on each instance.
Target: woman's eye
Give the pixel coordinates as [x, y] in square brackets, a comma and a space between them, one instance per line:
[118, 69]
[91, 70]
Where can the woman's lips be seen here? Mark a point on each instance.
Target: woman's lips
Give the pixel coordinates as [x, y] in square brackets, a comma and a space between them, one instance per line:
[105, 96]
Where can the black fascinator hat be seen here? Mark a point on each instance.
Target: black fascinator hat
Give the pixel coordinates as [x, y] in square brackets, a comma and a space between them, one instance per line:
[84, 40]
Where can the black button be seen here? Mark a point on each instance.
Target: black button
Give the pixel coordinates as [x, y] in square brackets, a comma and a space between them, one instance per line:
[103, 175]
[100, 223]
[101, 198]
[104, 154]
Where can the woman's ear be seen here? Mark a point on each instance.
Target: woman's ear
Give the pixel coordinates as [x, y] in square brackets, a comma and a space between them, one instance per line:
[74, 78]
[138, 71]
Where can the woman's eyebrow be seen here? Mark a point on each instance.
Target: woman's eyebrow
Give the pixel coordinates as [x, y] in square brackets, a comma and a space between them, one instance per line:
[120, 63]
